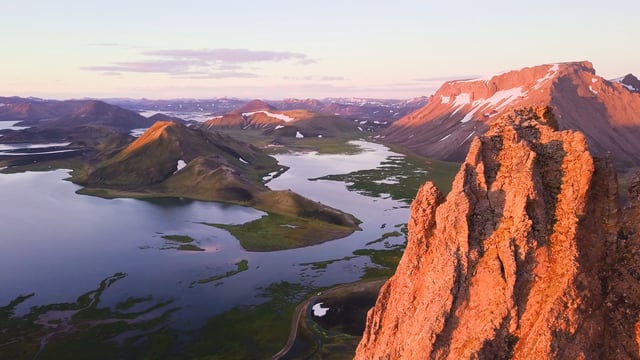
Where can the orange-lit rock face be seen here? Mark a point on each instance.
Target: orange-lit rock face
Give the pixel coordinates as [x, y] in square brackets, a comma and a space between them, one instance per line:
[516, 262]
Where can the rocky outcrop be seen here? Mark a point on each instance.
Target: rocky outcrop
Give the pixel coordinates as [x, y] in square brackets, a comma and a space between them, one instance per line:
[606, 112]
[528, 257]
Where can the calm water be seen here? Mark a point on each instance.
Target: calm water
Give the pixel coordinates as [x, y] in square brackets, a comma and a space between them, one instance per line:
[59, 245]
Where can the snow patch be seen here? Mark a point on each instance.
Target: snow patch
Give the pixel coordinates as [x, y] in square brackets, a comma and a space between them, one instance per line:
[137, 132]
[462, 99]
[299, 135]
[553, 70]
[359, 128]
[279, 127]
[468, 137]
[181, 165]
[592, 90]
[388, 181]
[243, 160]
[594, 80]
[497, 101]
[629, 87]
[319, 135]
[445, 99]
[318, 310]
[269, 176]
[444, 138]
[282, 117]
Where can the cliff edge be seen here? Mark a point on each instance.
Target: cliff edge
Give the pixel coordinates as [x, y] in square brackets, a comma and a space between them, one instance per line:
[528, 257]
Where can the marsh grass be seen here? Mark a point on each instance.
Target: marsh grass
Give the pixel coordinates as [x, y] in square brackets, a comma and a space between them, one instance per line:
[279, 232]
[242, 265]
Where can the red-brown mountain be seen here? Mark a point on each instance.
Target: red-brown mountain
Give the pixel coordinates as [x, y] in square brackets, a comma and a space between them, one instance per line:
[607, 112]
[528, 257]
[253, 105]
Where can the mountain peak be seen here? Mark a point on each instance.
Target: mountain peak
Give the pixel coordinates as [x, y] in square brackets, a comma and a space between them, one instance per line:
[630, 82]
[580, 99]
[254, 105]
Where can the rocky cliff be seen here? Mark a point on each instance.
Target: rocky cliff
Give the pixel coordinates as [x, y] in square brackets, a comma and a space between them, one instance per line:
[528, 257]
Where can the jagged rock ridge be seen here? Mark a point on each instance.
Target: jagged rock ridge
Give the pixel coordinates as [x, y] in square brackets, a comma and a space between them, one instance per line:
[528, 257]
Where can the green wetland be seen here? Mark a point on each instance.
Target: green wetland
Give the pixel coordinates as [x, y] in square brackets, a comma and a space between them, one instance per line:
[124, 278]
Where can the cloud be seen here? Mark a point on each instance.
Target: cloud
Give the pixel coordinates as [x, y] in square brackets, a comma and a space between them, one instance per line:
[220, 75]
[315, 78]
[234, 56]
[200, 64]
[446, 78]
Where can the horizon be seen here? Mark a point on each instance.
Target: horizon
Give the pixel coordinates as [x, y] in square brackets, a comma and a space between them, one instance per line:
[285, 49]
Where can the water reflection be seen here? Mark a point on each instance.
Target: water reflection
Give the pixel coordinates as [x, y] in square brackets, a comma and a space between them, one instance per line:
[58, 245]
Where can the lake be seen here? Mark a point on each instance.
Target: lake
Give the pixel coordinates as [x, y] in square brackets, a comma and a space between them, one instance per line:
[60, 245]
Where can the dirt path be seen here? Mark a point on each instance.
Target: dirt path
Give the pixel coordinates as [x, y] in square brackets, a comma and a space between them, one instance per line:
[297, 313]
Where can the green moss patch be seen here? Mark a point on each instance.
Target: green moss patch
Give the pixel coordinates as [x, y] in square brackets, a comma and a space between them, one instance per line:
[323, 264]
[384, 237]
[399, 176]
[279, 232]
[242, 265]
[185, 239]
[83, 328]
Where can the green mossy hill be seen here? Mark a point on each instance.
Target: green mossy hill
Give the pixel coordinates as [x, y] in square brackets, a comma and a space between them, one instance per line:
[153, 158]
[290, 203]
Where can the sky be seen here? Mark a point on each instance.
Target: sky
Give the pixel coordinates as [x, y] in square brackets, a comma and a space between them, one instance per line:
[274, 49]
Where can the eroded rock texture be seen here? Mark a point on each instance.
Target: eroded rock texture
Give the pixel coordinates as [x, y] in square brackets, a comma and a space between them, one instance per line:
[529, 257]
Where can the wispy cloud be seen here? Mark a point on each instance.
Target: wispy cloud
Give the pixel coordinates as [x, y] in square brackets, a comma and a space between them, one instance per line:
[234, 56]
[200, 64]
[446, 78]
[315, 78]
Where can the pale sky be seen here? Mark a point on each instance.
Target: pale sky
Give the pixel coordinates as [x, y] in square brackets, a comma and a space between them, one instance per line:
[275, 49]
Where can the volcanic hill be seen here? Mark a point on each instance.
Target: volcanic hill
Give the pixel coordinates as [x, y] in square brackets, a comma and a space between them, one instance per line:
[170, 159]
[528, 257]
[606, 112]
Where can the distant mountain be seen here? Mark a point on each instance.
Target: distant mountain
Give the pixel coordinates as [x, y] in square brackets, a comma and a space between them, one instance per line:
[164, 117]
[253, 105]
[215, 106]
[260, 115]
[607, 112]
[69, 113]
[19, 108]
[95, 112]
[630, 82]
[377, 112]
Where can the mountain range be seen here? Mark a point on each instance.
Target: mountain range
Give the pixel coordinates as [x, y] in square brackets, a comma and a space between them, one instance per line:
[363, 109]
[607, 112]
[299, 123]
